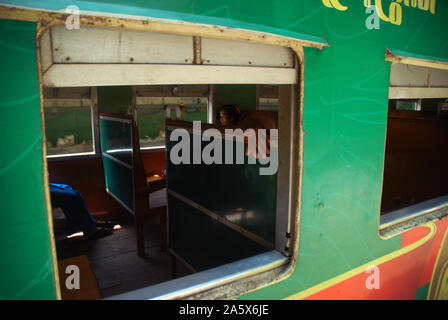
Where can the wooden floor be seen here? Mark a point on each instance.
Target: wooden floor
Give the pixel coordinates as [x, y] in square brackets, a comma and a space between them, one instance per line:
[114, 259]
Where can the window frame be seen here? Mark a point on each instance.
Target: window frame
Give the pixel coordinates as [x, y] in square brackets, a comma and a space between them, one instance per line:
[239, 277]
[397, 222]
[295, 166]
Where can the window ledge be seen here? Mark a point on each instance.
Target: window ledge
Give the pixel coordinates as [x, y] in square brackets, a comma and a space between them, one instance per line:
[407, 218]
[153, 149]
[72, 156]
[186, 286]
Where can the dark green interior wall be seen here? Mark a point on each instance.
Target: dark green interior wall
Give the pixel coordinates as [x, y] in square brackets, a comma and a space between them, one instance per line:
[26, 265]
[237, 193]
[153, 124]
[75, 122]
[203, 242]
[115, 100]
[78, 121]
[242, 95]
[119, 178]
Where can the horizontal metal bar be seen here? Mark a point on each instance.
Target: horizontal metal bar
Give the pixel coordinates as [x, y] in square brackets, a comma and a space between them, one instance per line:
[224, 221]
[128, 121]
[209, 279]
[71, 155]
[155, 148]
[124, 164]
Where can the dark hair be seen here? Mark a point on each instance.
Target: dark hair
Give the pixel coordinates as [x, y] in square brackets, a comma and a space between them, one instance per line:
[233, 111]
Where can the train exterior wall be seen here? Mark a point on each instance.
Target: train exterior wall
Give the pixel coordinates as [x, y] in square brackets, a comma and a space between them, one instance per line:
[26, 264]
[344, 120]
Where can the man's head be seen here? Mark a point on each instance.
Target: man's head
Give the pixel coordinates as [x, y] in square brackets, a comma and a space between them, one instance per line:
[229, 114]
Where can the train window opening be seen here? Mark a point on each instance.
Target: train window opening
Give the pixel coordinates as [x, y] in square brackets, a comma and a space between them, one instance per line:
[69, 118]
[153, 103]
[85, 176]
[415, 171]
[211, 209]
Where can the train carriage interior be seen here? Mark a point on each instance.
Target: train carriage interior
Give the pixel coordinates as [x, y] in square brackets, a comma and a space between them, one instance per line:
[109, 137]
[415, 170]
[73, 128]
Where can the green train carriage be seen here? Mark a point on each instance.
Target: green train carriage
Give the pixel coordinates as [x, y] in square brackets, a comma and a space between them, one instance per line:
[357, 208]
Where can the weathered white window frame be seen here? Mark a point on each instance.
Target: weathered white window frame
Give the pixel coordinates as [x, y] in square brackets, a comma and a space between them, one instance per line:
[251, 272]
[92, 57]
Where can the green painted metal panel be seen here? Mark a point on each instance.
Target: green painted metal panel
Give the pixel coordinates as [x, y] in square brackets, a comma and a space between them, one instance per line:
[203, 242]
[281, 17]
[116, 139]
[242, 95]
[116, 144]
[119, 182]
[115, 100]
[26, 264]
[116, 153]
[236, 192]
